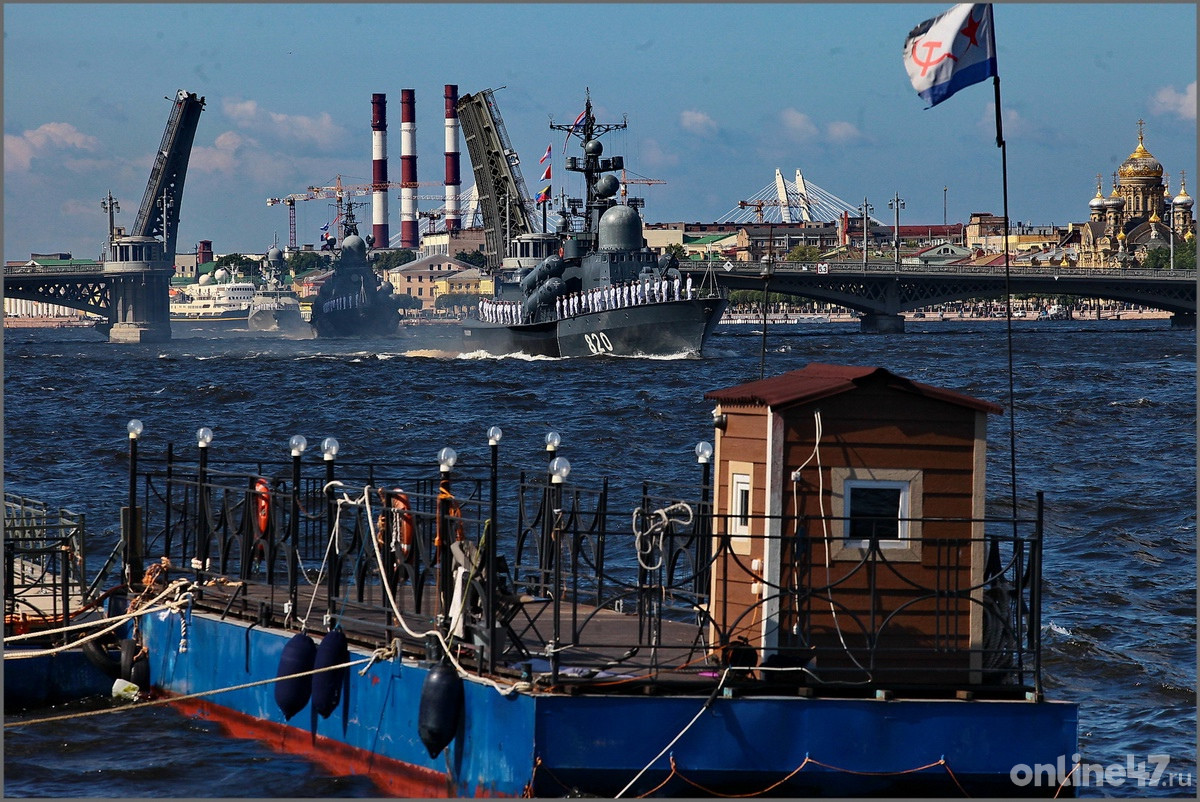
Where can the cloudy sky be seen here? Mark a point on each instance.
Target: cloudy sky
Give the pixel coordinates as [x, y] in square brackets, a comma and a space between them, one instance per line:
[717, 97]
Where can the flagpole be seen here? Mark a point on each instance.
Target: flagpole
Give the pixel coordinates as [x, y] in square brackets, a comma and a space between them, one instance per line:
[1012, 421]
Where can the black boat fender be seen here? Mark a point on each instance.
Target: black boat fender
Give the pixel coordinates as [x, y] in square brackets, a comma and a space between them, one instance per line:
[293, 693]
[135, 667]
[98, 654]
[327, 685]
[441, 708]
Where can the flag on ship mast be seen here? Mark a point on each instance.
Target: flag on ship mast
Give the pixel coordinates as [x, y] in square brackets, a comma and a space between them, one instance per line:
[574, 126]
[547, 156]
[544, 195]
[951, 51]
[546, 175]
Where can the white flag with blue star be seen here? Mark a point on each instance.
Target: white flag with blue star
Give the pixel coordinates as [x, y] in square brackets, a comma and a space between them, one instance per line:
[951, 51]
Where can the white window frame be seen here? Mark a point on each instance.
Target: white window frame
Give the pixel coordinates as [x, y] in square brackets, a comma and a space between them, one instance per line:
[902, 525]
[910, 482]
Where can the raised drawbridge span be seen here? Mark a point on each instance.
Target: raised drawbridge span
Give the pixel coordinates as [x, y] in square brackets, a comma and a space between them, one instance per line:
[131, 287]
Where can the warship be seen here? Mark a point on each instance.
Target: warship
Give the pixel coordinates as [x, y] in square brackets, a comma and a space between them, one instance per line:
[353, 301]
[274, 306]
[594, 287]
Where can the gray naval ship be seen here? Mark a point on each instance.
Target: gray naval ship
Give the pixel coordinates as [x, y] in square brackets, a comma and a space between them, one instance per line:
[595, 287]
[354, 302]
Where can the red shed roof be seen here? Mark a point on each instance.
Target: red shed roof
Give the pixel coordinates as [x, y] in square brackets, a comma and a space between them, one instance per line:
[817, 380]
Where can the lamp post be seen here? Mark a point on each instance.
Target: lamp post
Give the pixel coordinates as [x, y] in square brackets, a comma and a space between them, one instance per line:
[704, 452]
[944, 191]
[133, 545]
[560, 468]
[897, 203]
[866, 223]
[767, 269]
[329, 452]
[204, 436]
[446, 459]
[296, 444]
[545, 555]
[493, 435]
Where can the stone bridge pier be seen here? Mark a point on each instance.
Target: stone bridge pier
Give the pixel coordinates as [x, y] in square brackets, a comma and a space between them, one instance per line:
[881, 323]
[139, 277]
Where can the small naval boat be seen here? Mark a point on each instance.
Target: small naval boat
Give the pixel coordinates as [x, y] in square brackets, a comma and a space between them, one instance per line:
[354, 302]
[274, 307]
[595, 287]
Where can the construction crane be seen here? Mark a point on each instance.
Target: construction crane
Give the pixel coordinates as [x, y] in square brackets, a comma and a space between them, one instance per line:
[757, 206]
[290, 202]
[626, 180]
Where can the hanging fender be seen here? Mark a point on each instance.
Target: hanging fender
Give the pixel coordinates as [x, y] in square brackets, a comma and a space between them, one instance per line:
[440, 708]
[293, 693]
[327, 685]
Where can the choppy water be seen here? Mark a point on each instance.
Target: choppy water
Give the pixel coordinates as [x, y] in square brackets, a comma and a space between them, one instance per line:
[1106, 426]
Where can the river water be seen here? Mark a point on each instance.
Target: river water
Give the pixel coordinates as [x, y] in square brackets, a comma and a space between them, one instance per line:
[1105, 425]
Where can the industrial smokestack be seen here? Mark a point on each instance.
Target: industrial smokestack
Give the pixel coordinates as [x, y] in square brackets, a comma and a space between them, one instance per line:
[379, 176]
[409, 236]
[453, 180]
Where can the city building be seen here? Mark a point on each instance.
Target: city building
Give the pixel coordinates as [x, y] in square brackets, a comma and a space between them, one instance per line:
[1138, 216]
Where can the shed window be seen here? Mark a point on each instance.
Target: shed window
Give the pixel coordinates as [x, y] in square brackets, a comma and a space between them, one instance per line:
[876, 510]
[741, 504]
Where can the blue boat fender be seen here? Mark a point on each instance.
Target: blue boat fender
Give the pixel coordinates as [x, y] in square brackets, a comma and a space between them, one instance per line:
[298, 657]
[327, 685]
[441, 708]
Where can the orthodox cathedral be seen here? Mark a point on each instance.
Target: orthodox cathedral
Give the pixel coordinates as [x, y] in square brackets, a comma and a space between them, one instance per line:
[1137, 217]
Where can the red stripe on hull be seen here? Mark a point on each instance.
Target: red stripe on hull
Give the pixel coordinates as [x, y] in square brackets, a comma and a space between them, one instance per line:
[392, 777]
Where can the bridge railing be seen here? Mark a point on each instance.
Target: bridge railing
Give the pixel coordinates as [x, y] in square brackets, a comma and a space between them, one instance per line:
[890, 268]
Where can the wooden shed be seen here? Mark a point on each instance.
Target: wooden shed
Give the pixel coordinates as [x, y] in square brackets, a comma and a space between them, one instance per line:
[848, 526]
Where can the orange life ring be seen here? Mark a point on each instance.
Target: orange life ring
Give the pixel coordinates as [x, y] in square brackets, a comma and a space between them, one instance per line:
[262, 491]
[396, 523]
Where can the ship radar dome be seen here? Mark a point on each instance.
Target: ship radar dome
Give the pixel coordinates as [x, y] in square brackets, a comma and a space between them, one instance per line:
[620, 229]
[274, 256]
[354, 244]
[607, 186]
[593, 147]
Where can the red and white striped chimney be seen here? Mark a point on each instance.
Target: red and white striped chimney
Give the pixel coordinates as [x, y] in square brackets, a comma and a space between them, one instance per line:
[379, 176]
[453, 180]
[409, 235]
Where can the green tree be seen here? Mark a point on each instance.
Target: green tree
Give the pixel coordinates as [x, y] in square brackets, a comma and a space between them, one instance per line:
[676, 250]
[473, 258]
[387, 260]
[407, 301]
[236, 263]
[304, 261]
[803, 253]
[1160, 258]
[457, 301]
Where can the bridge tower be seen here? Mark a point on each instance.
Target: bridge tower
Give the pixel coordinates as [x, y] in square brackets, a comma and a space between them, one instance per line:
[138, 265]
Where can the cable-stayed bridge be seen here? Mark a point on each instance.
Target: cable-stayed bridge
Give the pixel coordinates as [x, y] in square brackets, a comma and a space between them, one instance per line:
[784, 201]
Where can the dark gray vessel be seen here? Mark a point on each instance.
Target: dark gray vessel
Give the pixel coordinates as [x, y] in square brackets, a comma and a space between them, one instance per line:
[596, 287]
[354, 302]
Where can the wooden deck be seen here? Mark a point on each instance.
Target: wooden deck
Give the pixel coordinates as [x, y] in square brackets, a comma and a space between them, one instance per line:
[593, 643]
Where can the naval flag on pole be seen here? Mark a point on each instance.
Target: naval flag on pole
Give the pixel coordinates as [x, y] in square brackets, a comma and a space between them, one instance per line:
[547, 156]
[951, 51]
[546, 175]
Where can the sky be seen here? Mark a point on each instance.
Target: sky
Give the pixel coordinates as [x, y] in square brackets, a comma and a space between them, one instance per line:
[716, 96]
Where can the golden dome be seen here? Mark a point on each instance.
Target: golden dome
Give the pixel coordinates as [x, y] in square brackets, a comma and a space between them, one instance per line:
[1140, 163]
[1121, 235]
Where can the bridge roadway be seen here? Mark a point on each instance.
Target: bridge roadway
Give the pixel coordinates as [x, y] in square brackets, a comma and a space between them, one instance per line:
[882, 291]
[879, 290]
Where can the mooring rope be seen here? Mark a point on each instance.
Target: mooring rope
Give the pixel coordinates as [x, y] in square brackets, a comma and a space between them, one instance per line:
[173, 699]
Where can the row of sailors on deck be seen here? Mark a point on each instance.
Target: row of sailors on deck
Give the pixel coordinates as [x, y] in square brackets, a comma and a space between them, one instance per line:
[597, 299]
